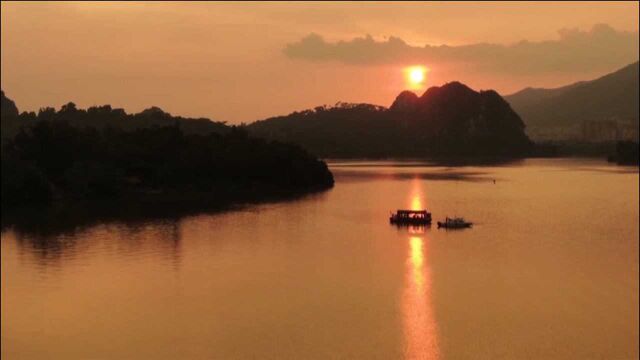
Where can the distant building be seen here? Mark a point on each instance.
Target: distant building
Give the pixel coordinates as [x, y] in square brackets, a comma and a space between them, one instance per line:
[574, 133]
[629, 131]
[609, 130]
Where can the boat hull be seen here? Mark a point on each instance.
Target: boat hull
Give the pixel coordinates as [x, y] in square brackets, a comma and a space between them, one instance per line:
[409, 221]
[453, 226]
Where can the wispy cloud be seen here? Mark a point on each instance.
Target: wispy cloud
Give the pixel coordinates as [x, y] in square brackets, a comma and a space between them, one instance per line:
[601, 48]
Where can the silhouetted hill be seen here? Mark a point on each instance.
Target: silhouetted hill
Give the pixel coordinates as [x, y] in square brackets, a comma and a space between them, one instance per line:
[7, 106]
[611, 97]
[346, 130]
[451, 120]
[104, 153]
[531, 96]
[101, 117]
[406, 102]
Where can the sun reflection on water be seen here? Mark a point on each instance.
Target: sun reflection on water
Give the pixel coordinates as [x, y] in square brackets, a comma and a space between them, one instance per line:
[418, 319]
[417, 258]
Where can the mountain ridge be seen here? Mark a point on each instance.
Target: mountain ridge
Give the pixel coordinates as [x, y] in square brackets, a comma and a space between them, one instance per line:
[447, 120]
[613, 96]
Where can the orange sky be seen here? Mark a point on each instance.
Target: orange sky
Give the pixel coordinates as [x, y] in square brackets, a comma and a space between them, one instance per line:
[245, 61]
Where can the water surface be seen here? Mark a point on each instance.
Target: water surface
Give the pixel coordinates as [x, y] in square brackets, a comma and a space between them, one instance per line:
[549, 271]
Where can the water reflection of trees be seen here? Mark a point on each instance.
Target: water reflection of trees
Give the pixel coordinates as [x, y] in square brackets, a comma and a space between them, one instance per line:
[65, 231]
[57, 233]
[163, 237]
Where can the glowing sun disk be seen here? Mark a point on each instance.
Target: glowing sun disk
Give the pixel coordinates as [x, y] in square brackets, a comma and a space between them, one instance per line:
[416, 75]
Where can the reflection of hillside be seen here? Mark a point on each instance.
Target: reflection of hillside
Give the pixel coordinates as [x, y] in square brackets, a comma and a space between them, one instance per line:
[49, 248]
[71, 217]
[54, 231]
[345, 173]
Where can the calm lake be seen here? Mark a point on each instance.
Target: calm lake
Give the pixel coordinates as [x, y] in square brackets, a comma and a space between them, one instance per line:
[549, 271]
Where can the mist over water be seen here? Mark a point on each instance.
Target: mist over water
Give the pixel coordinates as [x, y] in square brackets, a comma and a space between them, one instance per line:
[549, 271]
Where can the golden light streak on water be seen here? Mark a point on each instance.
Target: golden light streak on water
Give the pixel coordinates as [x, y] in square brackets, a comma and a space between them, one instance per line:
[420, 330]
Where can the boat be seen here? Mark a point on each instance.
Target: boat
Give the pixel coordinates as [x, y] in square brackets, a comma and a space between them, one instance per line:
[454, 223]
[410, 217]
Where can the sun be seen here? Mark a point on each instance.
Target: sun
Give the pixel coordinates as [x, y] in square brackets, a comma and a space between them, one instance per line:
[416, 76]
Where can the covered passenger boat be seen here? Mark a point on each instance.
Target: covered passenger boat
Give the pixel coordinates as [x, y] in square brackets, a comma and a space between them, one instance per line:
[412, 217]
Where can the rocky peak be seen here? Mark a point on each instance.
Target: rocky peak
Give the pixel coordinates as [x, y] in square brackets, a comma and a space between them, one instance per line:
[405, 102]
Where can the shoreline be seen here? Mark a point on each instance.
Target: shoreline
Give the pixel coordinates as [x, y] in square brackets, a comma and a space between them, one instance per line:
[64, 215]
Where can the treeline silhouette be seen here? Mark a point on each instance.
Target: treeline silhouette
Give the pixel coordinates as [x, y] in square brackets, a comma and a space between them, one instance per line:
[101, 117]
[448, 121]
[345, 130]
[105, 153]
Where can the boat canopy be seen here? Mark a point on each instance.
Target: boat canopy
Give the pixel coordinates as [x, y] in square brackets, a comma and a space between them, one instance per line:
[410, 217]
[411, 212]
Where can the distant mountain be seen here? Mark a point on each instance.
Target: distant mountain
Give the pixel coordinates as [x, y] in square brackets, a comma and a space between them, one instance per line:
[532, 96]
[611, 97]
[451, 120]
[7, 106]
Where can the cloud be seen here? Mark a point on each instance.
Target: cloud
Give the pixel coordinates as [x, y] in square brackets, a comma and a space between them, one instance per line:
[600, 48]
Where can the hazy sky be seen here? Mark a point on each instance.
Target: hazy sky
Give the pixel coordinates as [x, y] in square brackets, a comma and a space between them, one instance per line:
[247, 61]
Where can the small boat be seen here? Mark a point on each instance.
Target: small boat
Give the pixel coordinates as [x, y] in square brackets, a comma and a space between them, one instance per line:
[454, 223]
[410, 217]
